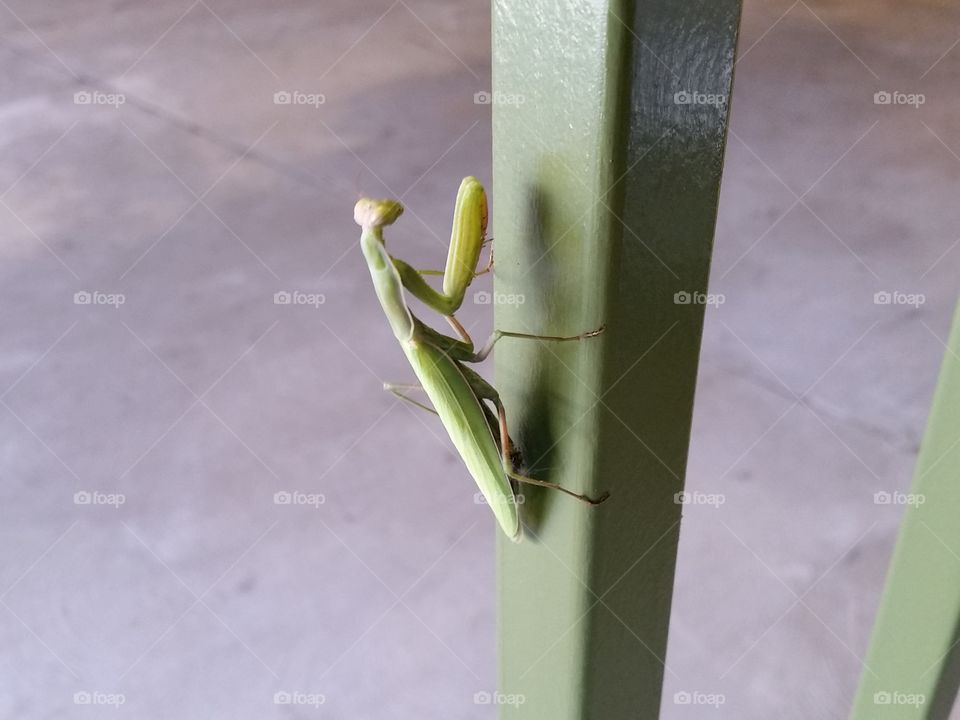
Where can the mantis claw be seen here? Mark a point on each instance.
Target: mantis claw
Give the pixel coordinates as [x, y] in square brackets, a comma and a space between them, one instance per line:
[597, 501]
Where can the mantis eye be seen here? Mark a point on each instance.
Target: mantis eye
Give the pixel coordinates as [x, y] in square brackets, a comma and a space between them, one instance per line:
[376, 213]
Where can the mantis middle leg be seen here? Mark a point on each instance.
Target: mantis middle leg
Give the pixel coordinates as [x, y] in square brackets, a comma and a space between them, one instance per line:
[463, 350]
[497, 335]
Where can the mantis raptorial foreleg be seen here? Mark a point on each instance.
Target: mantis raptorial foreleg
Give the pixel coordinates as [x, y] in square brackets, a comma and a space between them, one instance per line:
[466, 241]
[486, 268]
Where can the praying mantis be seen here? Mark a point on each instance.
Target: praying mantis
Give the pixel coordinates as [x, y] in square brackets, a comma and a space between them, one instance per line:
[459, 395]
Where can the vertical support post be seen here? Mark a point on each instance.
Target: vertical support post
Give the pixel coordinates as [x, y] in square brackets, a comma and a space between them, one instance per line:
[609, 130]
[912, 670]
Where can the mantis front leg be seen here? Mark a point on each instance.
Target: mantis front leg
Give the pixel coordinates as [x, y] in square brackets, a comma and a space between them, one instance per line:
[466, 242]
[440, 273]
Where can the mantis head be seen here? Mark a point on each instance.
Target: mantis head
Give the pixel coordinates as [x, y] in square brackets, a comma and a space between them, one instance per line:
[370, 213]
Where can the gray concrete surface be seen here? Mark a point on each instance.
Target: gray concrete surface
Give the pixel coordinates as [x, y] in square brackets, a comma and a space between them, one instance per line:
[199, 398]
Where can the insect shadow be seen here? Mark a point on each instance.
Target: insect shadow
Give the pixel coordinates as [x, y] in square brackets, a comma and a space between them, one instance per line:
[537, 433]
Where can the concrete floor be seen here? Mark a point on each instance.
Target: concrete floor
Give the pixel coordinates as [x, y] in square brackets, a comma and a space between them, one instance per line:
[198, 398]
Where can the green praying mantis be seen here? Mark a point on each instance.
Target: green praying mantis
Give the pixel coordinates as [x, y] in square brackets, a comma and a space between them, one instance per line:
[460, 396]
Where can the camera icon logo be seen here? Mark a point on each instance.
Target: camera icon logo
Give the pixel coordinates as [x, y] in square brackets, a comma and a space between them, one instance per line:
[282, 298]
[282, 498]
[882, 97]
[282, 97]
[682, 98]
[482, 98]
[682, 298]
[482, 297]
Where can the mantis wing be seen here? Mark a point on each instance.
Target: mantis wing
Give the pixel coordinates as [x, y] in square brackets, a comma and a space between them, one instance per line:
[468, 426]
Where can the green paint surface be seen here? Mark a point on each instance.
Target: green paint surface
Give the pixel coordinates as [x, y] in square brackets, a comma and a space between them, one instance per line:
[913, 667]
[605, 195]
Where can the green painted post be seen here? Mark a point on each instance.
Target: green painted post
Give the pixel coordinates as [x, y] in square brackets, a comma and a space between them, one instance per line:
[913, 667]
[609, 130]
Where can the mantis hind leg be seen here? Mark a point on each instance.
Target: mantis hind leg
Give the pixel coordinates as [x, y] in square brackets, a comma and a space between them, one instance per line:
[485, 391]
[513, 475]
[400, 391]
